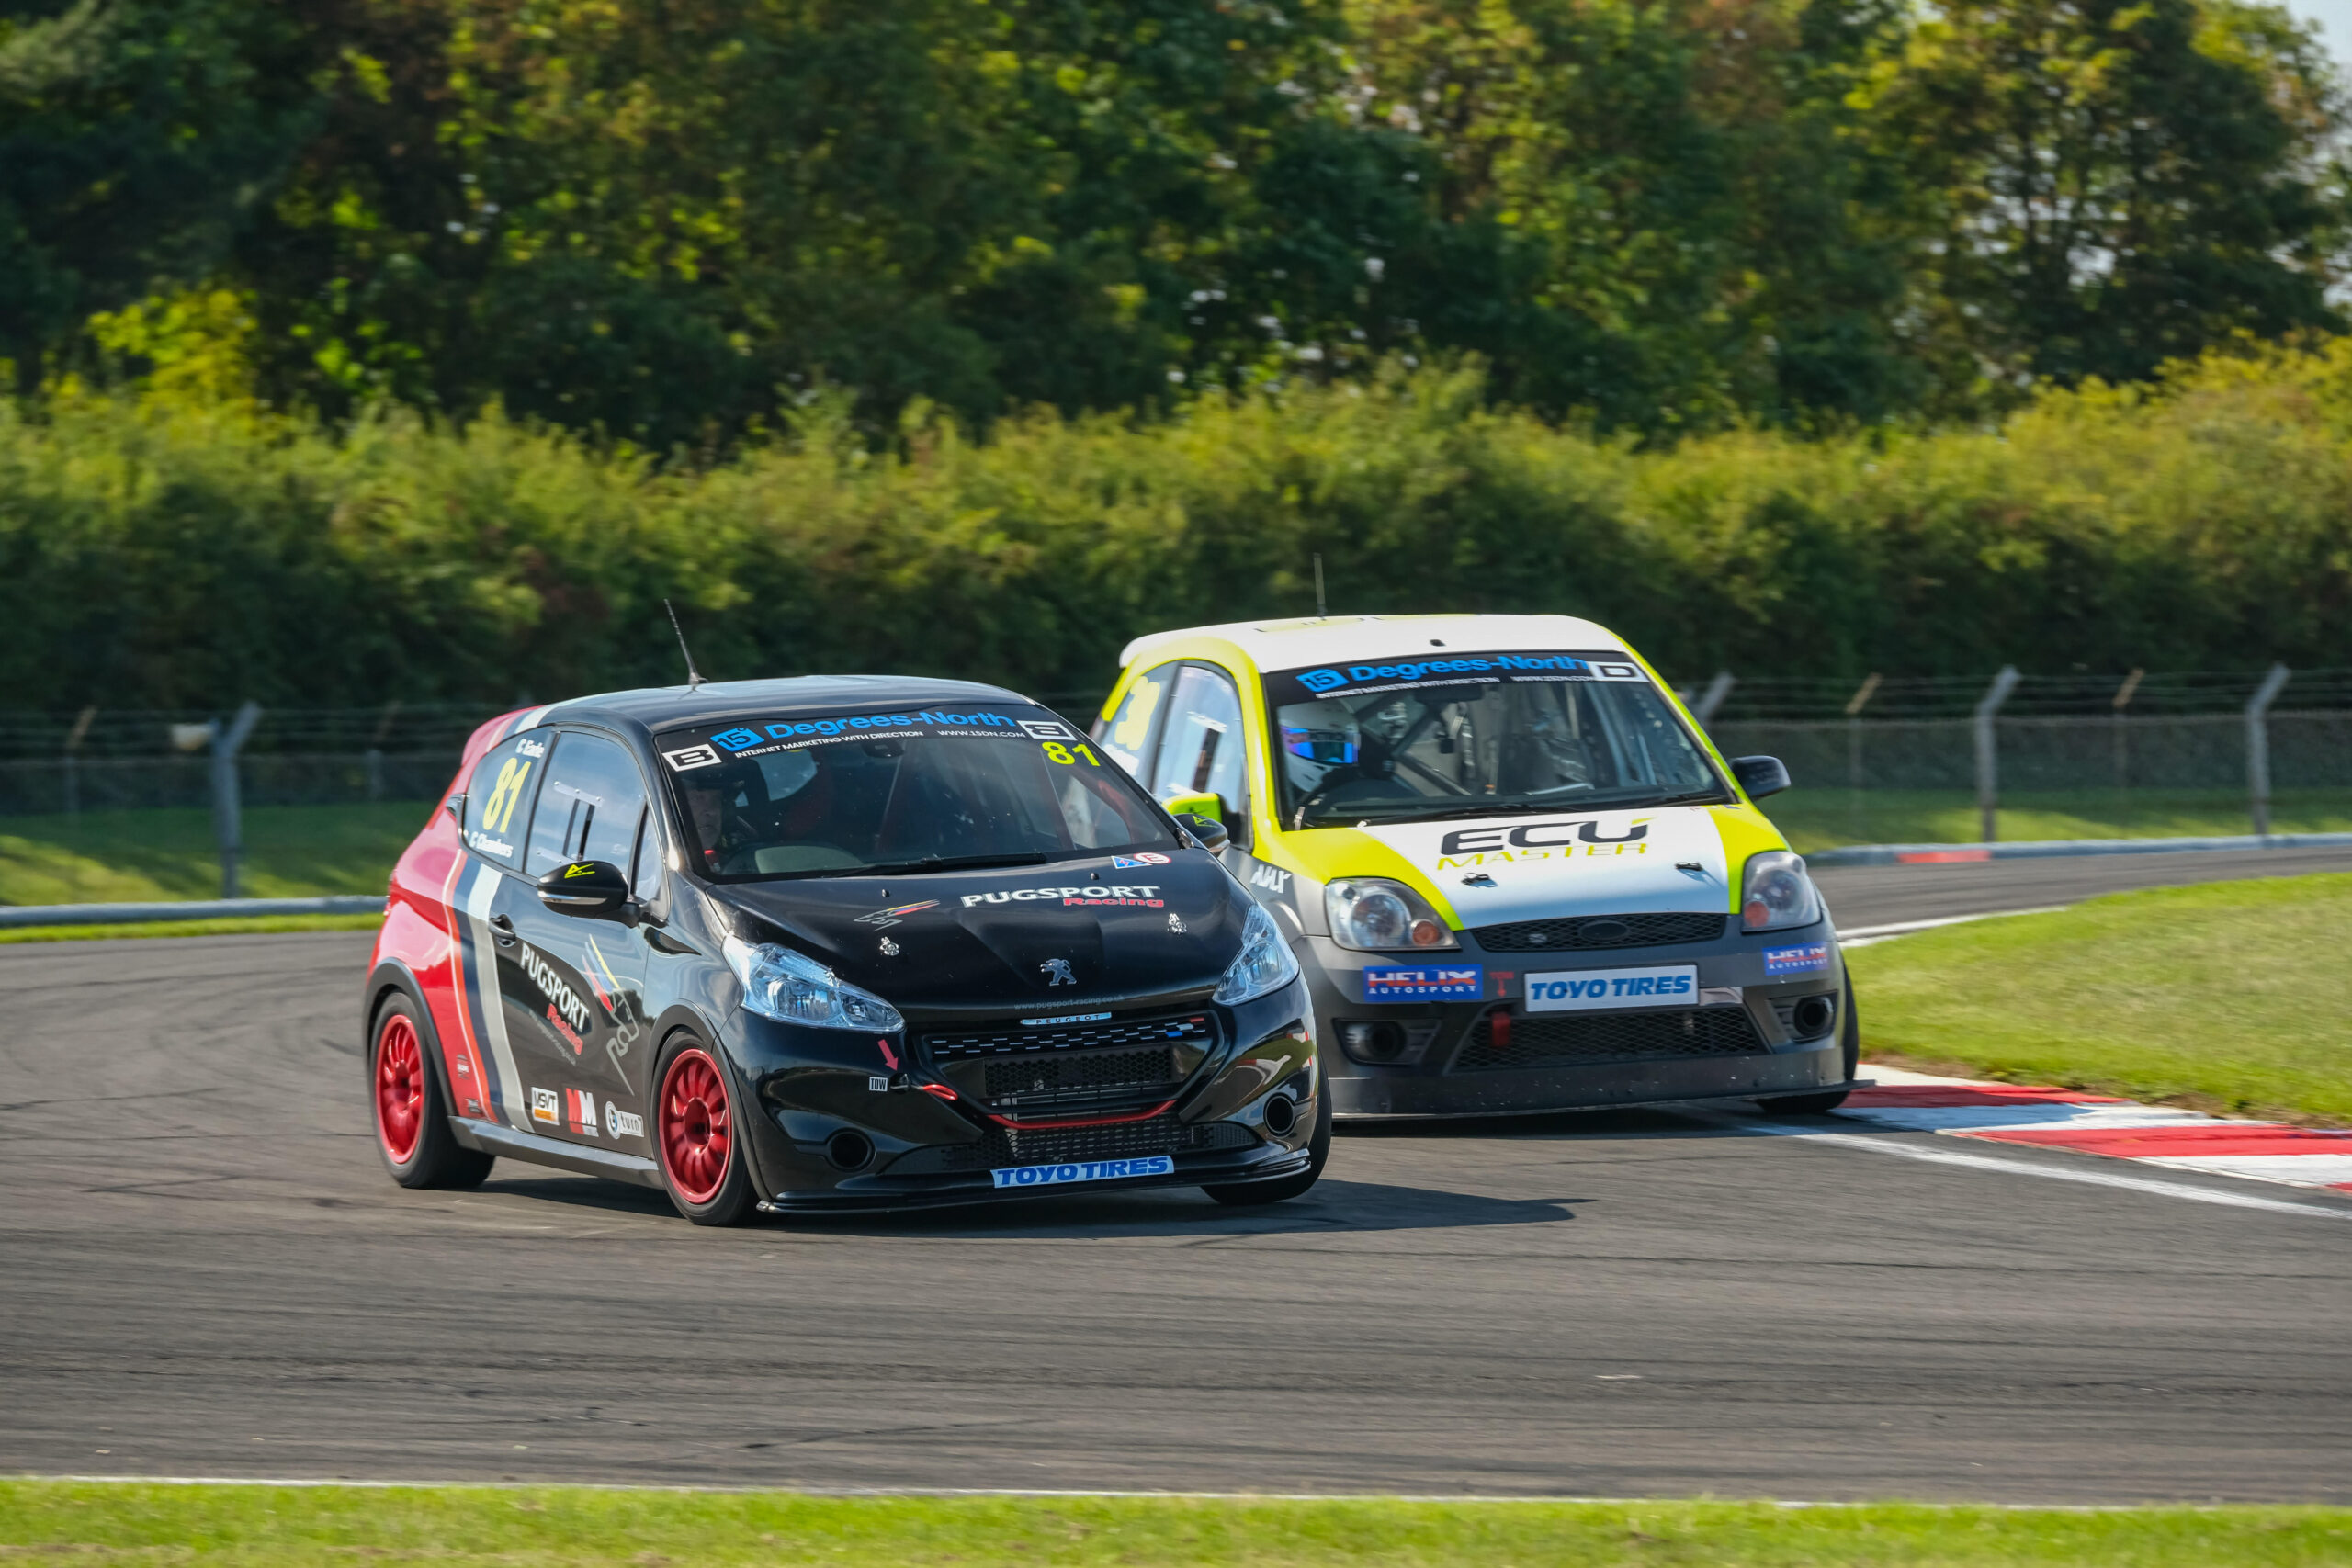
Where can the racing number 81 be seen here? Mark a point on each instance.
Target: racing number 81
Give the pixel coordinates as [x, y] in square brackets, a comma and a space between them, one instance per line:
[1062, 753]
[505, 796]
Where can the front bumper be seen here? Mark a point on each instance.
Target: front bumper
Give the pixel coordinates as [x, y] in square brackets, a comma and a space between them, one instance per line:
[806, 1086]
[1453, 1072]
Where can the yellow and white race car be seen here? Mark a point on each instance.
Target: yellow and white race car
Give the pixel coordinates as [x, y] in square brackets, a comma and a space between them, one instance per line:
[1517, 874]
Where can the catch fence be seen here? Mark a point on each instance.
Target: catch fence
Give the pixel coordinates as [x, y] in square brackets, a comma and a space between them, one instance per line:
[107, 791]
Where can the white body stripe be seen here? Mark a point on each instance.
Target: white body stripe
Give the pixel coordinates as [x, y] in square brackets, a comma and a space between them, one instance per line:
[512, 1091]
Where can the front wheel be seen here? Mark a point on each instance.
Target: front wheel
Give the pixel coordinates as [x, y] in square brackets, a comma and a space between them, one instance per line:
[1850, 1037]
[405, 1102]
[1318, 1148]
[704, 1164]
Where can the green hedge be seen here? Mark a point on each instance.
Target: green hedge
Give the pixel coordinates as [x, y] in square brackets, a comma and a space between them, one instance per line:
[153, 554]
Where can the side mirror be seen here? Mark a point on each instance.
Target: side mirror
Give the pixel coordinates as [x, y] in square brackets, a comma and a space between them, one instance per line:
[1213, 809]
[1207, 830]
[1206, 806]
[591, 889]
[456, 806]
[1761, 776]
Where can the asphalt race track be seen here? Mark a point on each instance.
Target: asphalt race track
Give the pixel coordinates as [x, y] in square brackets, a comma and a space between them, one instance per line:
[1862, 895]
[204, 1271]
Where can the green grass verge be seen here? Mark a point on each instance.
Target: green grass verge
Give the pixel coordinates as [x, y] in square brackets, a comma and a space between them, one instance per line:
[1822, 819]
[515, 1528]
[248, 926]
[291, 851]
[2215, 996]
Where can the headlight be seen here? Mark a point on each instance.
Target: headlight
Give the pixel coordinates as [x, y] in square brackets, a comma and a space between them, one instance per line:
[795, 988]
[1372, 913]
[1775, 893]
[1265, 962]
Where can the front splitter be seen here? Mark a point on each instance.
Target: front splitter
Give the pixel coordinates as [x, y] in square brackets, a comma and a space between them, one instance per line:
[1609, 1086]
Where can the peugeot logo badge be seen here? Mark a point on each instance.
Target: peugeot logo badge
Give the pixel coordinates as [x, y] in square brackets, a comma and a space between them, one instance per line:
[1056, 972]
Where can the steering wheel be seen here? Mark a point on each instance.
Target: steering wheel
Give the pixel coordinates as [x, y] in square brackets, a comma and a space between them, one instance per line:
[1349, 774]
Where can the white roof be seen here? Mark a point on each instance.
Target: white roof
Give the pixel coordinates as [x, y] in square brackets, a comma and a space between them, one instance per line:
[1338, 639]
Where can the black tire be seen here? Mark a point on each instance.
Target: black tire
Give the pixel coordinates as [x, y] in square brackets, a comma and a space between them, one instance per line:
[1850, 1036]
[1318, 1148]
[698, 1138]
[407, 1107]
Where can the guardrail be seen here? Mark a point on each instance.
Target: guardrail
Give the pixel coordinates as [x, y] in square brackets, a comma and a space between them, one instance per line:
[190, 909]
[2036, 849]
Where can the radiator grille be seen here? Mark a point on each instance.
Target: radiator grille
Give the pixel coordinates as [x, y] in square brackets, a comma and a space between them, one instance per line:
[956, 1046]
[1079, 1077]
[1563, 1039]
[1120, 1140]
[1587, 933]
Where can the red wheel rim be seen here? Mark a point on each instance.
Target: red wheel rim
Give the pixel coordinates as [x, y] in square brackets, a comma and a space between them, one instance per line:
[698, 1132]
[400, 1088]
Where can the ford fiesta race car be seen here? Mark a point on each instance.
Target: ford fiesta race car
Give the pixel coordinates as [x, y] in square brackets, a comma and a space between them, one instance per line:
[1516, 872]
[829, 944]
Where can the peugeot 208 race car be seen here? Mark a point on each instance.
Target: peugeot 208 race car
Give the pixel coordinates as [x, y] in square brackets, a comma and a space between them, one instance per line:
[1516, 873]
[829, 943]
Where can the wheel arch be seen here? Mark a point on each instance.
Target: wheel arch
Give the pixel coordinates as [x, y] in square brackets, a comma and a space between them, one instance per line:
[695, 1017]
[393, 976]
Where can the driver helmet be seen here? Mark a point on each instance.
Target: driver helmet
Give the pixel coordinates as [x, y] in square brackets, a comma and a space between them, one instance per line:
[1317, 738]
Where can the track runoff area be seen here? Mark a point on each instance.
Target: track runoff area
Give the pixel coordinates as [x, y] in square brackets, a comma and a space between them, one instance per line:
[204, 1273]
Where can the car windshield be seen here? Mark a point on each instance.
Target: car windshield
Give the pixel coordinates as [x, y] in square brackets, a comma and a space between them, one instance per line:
[1478, 734]
[841, 795]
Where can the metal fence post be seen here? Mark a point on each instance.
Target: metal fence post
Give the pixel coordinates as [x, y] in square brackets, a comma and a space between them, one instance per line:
[228, 824]
[1854, 707]
[1988, 761]
[2257, 745]
[376, 751]
[73, 763]
[1712, 697]
[2122, 744]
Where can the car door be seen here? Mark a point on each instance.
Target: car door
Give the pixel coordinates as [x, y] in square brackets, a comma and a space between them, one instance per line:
[1203, 748]
[573, 988]
[495, 821]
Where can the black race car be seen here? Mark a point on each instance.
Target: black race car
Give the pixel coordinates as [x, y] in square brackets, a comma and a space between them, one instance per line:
[829, 944]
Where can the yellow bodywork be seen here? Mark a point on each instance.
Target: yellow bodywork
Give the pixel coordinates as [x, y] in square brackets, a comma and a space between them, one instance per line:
[1326, 854]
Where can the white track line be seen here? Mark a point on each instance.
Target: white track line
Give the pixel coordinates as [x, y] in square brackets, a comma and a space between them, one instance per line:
[1863, 936]
[1513, 1498]
[1885, 1146]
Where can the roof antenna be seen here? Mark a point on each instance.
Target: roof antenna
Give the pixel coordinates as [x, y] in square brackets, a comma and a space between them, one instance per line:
[1319, 613]
[694, 676]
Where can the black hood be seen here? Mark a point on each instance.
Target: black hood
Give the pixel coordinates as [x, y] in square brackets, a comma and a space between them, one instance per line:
[1022, 937]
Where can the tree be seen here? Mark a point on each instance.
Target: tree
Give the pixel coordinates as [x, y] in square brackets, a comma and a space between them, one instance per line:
[2112, 184]
[136, 138]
